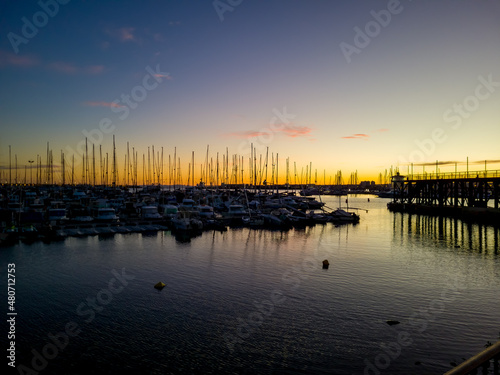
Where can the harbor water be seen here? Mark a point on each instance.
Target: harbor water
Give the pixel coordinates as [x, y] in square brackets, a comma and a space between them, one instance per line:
[258, 301]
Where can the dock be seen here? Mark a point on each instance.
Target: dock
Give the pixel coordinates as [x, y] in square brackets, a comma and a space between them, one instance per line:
[471, 196]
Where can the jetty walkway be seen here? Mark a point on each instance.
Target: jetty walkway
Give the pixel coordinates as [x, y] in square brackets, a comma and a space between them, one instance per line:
[469, 195]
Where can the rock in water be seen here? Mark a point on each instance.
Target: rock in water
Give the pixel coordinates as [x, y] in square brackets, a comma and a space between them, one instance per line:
[392, 322]
[160, 285]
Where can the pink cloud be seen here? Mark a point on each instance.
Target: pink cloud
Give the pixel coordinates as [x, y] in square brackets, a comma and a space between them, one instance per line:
[7, 58]
[357, 136]
[166, 76]
[94, 69]
[103, 104]
[68, 68]
[125, 33]
[63, 67]
[247, 134]
[383, 130]
[296, 131]
[287, 130]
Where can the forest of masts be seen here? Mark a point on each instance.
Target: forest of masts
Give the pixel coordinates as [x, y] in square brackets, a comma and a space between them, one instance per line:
[96, 168]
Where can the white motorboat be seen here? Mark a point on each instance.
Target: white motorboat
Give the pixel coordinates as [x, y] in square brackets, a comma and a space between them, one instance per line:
[105, 214]
[170, 211]
[150, 213]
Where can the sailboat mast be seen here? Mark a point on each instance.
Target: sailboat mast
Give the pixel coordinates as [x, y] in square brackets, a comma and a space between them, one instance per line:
[192, 166]
[87, 179]
[114, 163]
[93, 164]
[277, 175]
[175, 163]
[63, 169]
[47, 170]
[128, 165]
[10, 167]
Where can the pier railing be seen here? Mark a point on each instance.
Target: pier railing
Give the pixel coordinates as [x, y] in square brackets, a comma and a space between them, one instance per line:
[479, 361]
[454, 175]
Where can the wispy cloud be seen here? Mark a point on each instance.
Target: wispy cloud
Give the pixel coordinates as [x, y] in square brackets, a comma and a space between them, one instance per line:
[287, 130]
[69, 68]
[247, 134]
[357, 136]
[126, 34]
[103, 104]
[123, 34]
[482, 162]
[166, 76]
[63, 67]
[94, 69]
[363, 136]
[296, 131]
[453, 162]
[8, 58]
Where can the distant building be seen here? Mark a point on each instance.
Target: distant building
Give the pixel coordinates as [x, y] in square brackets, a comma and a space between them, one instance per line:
[366, 184]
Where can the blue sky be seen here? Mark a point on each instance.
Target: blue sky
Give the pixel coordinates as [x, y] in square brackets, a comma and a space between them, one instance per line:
[222, 82]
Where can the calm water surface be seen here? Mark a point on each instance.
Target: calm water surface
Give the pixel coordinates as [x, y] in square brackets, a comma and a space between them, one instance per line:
[258, 302]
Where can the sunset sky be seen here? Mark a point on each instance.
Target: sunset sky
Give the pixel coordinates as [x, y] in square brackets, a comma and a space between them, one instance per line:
[344, 85]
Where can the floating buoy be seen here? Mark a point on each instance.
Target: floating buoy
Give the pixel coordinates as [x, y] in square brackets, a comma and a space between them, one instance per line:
[325, 264]
[392, 322]
[160, 285]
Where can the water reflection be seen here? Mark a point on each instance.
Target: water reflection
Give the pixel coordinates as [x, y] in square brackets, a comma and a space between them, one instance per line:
[388, 266]
[446, 232]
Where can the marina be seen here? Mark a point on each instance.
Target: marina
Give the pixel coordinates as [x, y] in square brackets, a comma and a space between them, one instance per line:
[388, 267]
[250, 187]
[54, 212]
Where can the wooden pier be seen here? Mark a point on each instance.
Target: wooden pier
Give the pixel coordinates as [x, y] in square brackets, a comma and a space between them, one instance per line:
[474, 195]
